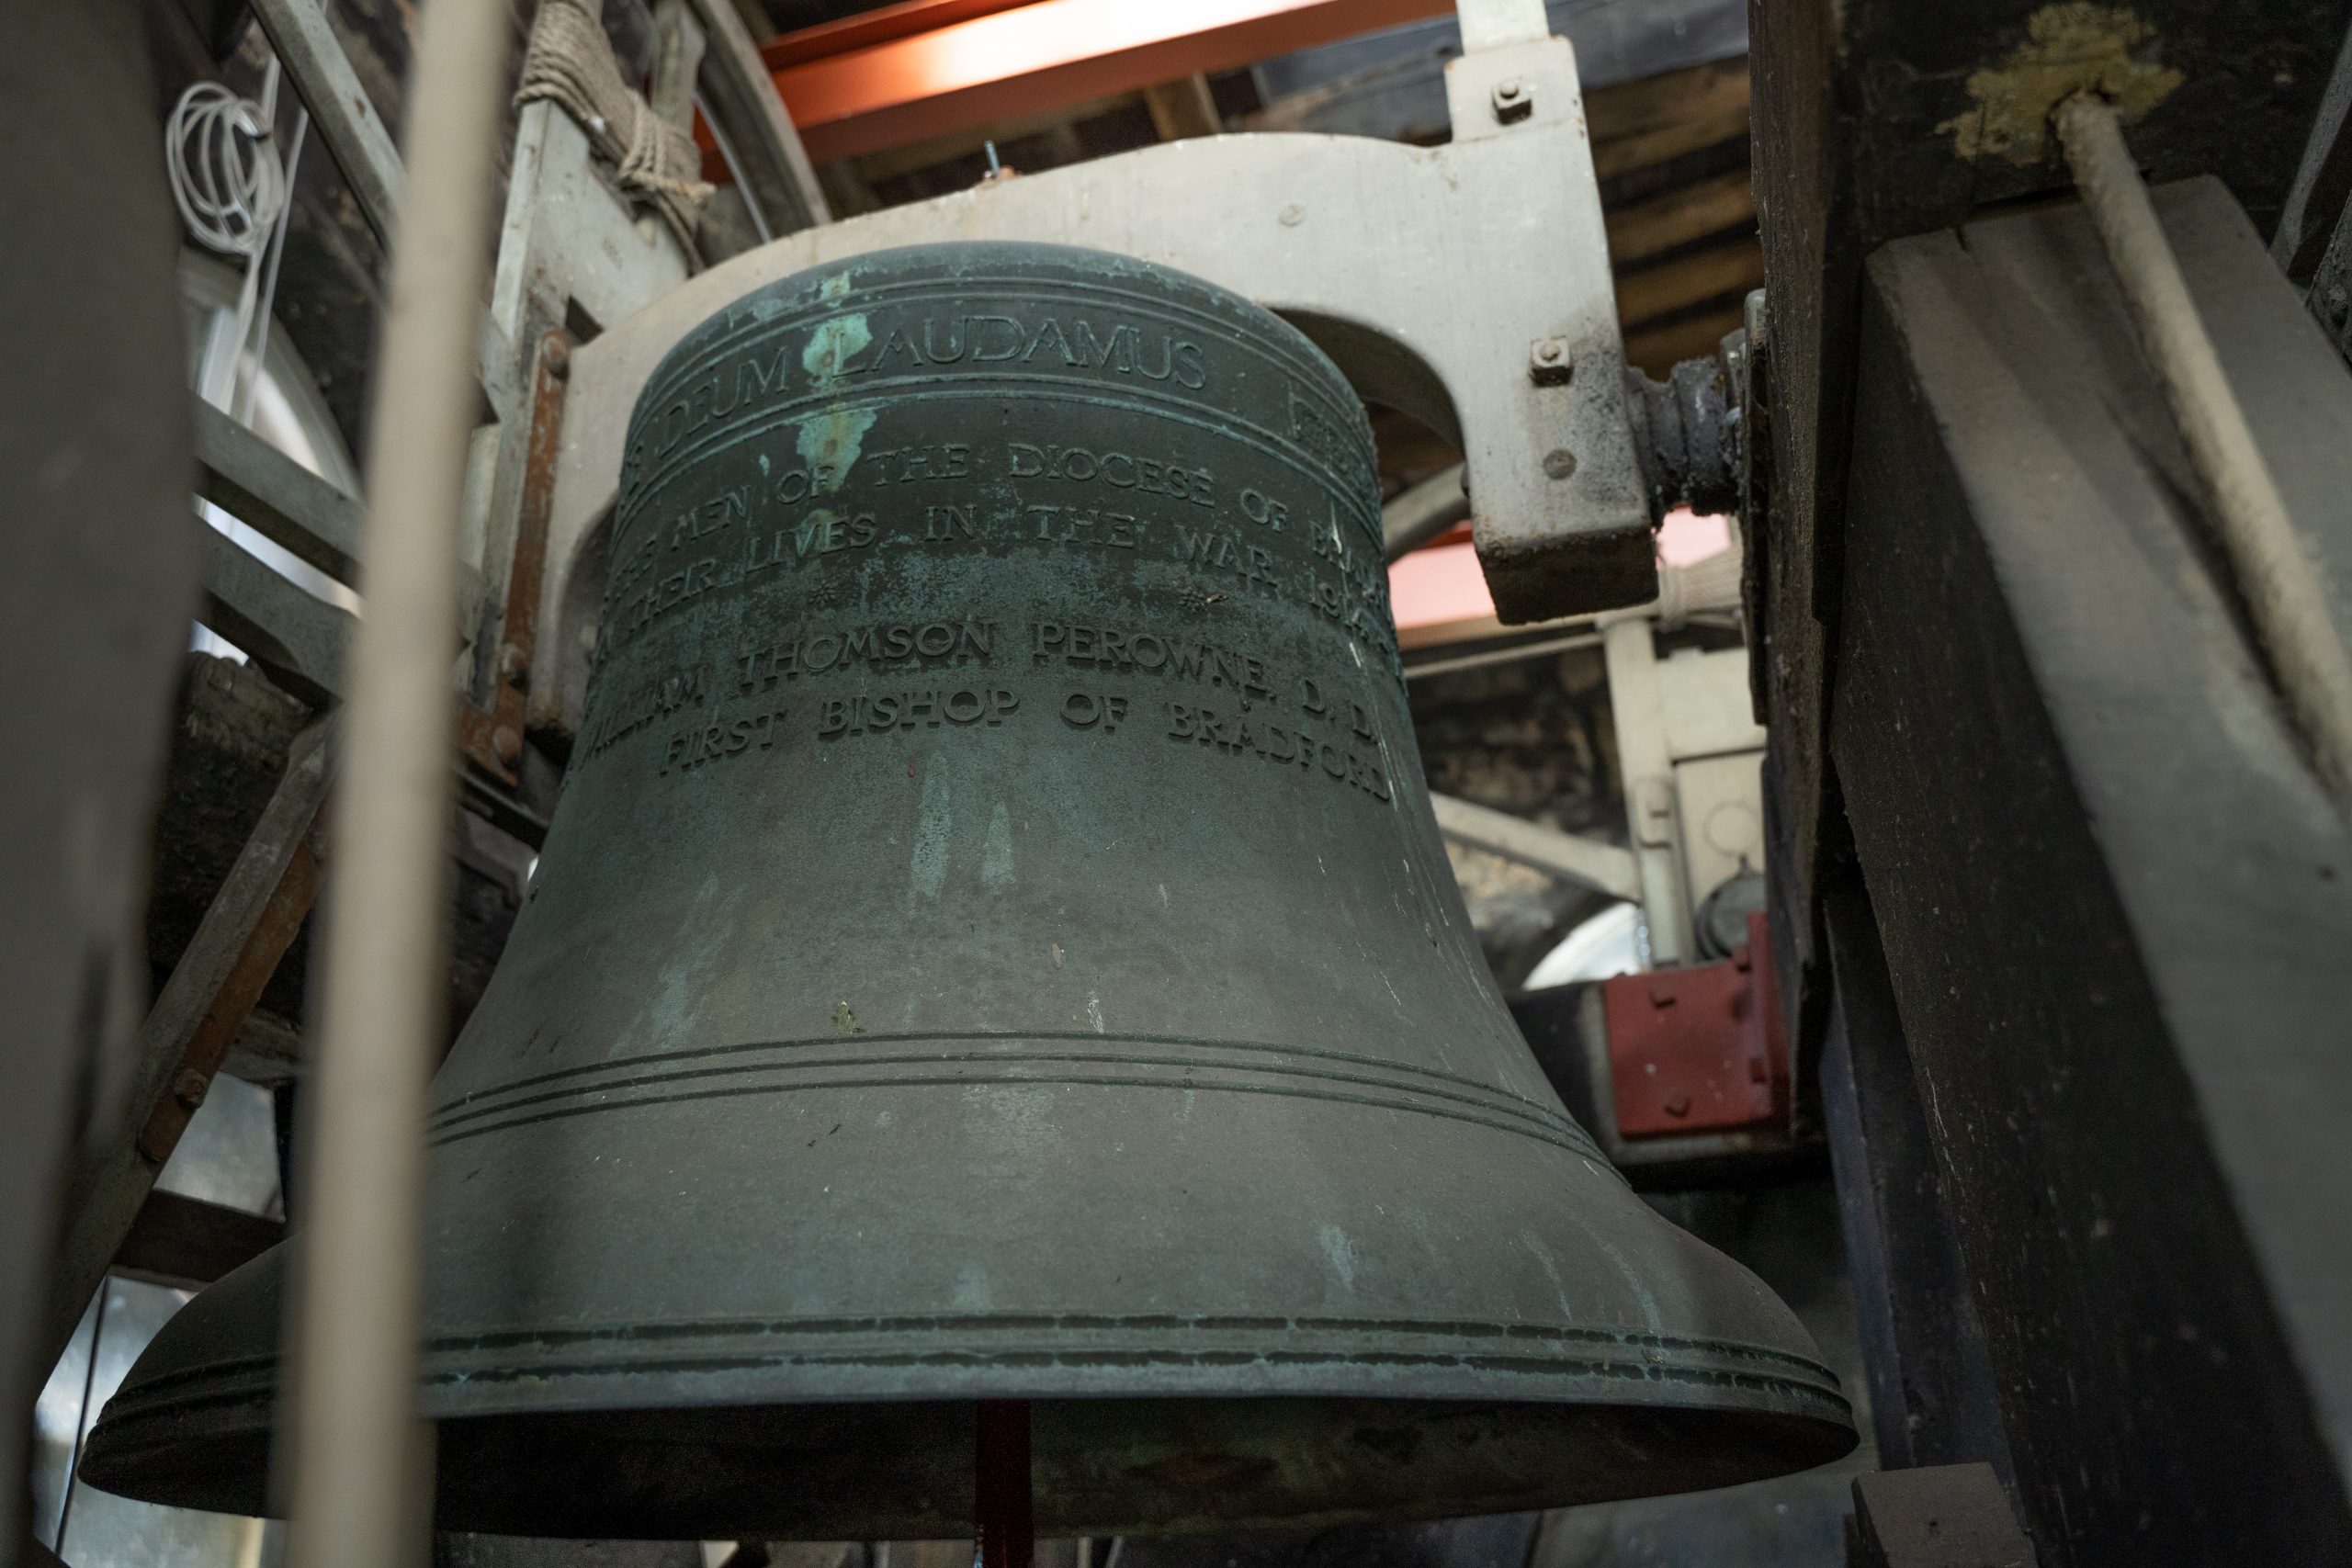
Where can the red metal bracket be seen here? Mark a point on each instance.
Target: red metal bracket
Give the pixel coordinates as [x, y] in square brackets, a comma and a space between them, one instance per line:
[1700, 1049]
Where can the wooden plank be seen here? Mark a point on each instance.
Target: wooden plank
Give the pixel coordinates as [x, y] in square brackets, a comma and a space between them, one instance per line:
[1183, 107]
[1882, 118]
[188, 1032]
[276, 496]
[299, 639]
[1663, 102]
[1644, 148]
[1647, 293]
[2042, 695]
[1691, 212]
[186, 1242]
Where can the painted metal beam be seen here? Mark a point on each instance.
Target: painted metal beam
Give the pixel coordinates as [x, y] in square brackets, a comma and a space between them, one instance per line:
[854, 89]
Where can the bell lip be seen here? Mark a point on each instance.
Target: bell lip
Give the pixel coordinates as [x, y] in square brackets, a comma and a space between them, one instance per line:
[209, 1354]
[198, 1433]
[218, 1459]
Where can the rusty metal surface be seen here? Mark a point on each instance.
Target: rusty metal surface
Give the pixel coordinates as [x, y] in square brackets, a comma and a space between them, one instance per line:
[994, 943]
[492, 734]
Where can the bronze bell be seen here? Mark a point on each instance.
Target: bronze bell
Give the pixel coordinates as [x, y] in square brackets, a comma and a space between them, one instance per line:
[994, 944]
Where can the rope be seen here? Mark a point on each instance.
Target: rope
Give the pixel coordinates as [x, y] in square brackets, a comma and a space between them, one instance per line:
[1705, 585]
[570, 63]
[2284, 596]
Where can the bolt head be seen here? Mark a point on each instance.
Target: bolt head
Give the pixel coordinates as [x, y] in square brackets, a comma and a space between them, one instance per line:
[1549, 362]
[555, 352]
[507, 741]
[190, 1088]
[1559, 463]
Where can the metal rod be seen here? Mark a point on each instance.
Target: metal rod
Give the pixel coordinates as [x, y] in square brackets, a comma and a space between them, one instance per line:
[2279, 582]
[360, 1454]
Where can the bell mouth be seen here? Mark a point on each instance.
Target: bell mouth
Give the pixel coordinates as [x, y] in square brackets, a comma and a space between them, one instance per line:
[802, 1429]
[903, 1470]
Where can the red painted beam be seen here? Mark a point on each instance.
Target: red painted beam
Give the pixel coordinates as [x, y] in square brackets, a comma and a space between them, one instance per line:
[880, 25]
[928, 67]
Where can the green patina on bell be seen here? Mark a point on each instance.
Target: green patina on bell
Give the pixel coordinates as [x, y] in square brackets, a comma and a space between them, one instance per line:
[994, 943]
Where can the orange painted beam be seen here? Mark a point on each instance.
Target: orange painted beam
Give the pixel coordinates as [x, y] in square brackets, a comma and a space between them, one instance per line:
[887, 86]
[880, 25]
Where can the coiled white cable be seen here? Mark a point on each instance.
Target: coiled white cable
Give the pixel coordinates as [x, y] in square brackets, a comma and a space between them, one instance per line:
[224, 169]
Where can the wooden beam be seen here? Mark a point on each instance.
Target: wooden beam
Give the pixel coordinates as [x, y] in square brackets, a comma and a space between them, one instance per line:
[1670, 98]
[1639, 150]
[276, 496]
[299, 638]
[1635, 124]
[1655, 291]
[1690, 212]
[1182, 109]
[188, 1032]
[186, 1242]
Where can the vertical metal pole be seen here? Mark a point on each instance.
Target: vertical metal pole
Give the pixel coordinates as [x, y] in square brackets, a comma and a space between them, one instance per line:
[360, 1454]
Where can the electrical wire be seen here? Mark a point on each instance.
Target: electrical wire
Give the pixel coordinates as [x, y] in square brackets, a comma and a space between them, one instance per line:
[265, 299]
[221, 152]
[224, 172]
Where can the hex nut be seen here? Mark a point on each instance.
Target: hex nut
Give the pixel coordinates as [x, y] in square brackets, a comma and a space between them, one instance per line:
[1549, 362]
[1511, 100]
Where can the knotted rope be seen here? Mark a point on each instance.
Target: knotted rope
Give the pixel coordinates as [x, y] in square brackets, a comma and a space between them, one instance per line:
[570, 62]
